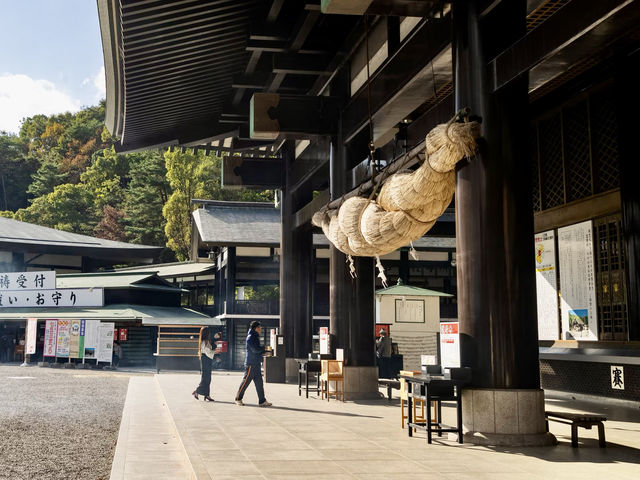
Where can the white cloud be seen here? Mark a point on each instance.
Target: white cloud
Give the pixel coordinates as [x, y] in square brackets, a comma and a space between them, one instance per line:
[21, 96]
[98, 82]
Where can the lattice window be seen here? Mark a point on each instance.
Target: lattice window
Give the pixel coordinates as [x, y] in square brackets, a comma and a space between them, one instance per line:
[551, 169]
[610, 280]
[604, 131]
[535, 177]
[575, 138]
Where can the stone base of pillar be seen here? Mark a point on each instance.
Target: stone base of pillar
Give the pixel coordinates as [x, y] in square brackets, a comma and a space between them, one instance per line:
[361, 383]
[503, 417]
[291, 370]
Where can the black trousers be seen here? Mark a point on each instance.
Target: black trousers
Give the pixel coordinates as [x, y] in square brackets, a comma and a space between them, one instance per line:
[205, 380]
[252, 373]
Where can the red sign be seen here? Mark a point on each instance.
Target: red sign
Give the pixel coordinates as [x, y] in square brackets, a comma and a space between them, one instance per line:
[449, 328]
[222, 346]
[115, 334]
[381, 326]
[123, 334]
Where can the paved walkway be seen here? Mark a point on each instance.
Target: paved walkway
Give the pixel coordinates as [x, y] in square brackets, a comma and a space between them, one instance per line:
[148, 444]
[308, 439]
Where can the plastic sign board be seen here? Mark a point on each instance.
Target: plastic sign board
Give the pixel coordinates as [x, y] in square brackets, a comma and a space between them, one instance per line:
[32, 334]
[90, 338]
[577, 282]
[546, 285]
[16, 281]
[59, 297]
[324, 340]
[105, 342]
[64, 334]
[50, 338]
[450, 344]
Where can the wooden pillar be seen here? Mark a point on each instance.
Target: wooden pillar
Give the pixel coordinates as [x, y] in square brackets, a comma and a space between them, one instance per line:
[339, 277]
[218, 295]
[362, 318]
[625, 89]
[404, 266]
[494, 213]
[230, 284]
[296, 256]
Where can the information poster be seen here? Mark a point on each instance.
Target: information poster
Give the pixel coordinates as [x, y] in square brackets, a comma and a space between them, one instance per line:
[90, 338]
[450, 344]
[409, 311]
[64, 331]
[105, 342]
[74, 340]
[577, 282]
[50, 338]
[32, 334]
[546, 285]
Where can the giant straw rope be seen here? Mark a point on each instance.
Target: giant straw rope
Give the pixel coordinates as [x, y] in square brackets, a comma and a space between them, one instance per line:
[409, 202]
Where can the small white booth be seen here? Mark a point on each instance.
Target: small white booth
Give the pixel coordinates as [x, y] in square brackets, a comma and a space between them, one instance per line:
[413, 315]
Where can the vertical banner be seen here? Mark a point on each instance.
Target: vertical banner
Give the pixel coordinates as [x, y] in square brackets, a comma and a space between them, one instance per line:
[123, 335]
[32, 334]
[105, 342]
[449, 344]
[62, 346]
[577, 282]
[50, 338]
[74, 339]
[81, 340]
[90, 338]
[546, 285]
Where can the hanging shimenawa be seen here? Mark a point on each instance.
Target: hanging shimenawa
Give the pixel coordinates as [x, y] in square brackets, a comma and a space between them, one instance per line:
[409, 202]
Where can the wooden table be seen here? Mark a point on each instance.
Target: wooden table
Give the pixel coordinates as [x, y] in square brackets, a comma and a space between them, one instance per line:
[429, 388]
[305, 367]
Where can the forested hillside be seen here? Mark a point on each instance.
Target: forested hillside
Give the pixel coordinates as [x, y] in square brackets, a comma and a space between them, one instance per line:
[61, 171]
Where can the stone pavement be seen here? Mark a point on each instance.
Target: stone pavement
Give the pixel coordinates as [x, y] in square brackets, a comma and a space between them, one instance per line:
[306, 439]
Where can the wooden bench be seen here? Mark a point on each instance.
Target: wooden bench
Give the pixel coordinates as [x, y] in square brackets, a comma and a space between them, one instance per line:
[390, 385]
[578, 420]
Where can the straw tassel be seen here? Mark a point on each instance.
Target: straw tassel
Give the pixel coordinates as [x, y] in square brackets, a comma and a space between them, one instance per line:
[381, 274]
[413, 252]
[352, 267]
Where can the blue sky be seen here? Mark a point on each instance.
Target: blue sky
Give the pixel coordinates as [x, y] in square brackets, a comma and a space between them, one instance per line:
[50, 58]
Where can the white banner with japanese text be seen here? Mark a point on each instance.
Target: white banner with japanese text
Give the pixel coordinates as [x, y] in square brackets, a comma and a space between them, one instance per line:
[546, 285]
[64, 332]
[90, 338]
[45, 280]
[50, 338]
[59, 297]
[32, 334]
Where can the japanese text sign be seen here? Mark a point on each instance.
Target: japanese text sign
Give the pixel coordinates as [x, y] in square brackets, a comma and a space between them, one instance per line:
[28, 280]
[61, 297]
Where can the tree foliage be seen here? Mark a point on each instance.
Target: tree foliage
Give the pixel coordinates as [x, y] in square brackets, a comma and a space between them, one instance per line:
[61, 171]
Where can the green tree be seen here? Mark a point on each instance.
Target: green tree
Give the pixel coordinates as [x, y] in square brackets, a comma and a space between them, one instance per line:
[147, 192]
[69, 207]
[111, 225]
[106, 179]
[16, 168]
[47, 177]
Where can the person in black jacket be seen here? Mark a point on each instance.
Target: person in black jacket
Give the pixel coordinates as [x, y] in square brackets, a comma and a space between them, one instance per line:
[252, 365]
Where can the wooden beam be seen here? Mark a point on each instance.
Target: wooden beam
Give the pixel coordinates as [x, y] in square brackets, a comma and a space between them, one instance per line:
[564, 28]
[301, 65]
[345, 7]
[248, 172]
[304, 215]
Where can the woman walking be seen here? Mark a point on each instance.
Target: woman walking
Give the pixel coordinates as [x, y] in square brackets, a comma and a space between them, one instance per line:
[206, 352]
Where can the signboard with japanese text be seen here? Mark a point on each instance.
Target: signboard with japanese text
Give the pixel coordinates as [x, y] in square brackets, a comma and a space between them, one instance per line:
[577, 282]
[409, 311]
[617, 377]
[546, 285]
[64, 333]
[123, 334]
[50, 338]
[32, 334]
[60, 297]
[74, 339]
[449, 344]
[45, 280]
[105, 342]
[90, 338]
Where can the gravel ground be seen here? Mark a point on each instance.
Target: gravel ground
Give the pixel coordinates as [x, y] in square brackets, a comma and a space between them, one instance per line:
[59, 424]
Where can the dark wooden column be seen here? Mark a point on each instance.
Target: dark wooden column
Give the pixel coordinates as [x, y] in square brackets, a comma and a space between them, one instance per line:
[217, 295]
[296, 256]
[339, 279]
[362, 318]
[627, 95]
[494, 213]
[404, 266]
[230, 284]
